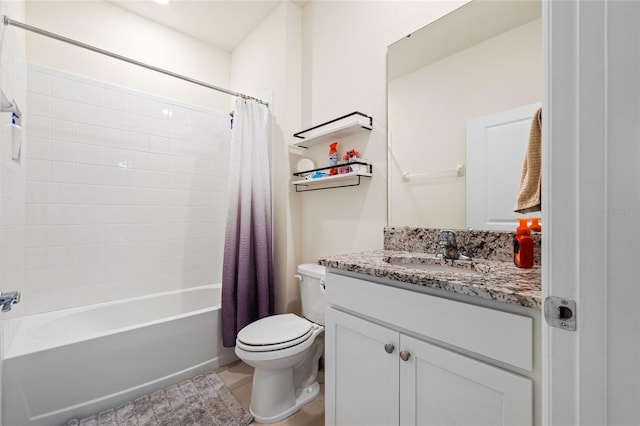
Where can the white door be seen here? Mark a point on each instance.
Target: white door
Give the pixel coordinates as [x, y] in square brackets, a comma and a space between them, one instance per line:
[496, 145]
[591, 210]
[440, 387]
[361, 373]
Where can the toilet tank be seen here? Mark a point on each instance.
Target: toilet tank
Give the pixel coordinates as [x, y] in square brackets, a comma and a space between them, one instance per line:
[312, 291]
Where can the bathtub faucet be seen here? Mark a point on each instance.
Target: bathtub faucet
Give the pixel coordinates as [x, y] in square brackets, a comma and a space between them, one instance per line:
[8, 298]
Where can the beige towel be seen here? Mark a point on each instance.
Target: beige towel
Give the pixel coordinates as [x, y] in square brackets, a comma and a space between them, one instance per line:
[529, 199]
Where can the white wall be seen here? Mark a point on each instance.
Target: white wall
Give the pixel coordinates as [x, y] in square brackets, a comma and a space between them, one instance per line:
[323, 62]
[328, 60]
[12, 173]
[126, 192]
[117, 188]
[344, 70]
[428, 110]
[270, 60]
[111, 28]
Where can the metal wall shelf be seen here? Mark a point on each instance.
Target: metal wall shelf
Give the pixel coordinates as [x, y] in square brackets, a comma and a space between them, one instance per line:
[335, 181]
[334, 129]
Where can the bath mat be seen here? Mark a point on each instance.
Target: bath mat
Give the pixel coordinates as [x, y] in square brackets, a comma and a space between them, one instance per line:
[200, 401]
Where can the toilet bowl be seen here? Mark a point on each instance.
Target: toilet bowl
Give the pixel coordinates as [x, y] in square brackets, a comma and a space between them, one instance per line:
[284, 351]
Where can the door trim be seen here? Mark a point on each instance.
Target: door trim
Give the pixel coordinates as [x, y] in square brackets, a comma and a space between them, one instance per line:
[574, 201]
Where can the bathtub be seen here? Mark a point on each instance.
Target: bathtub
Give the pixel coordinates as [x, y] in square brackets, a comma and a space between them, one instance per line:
[75, 362]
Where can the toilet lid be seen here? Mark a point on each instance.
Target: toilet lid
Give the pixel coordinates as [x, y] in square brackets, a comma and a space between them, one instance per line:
[276, 330]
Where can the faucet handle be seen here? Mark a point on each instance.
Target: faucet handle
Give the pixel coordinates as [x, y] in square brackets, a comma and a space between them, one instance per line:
[448, 236]
[447, 245]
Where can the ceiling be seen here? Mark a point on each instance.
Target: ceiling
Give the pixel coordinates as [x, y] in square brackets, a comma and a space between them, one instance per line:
[222, 23]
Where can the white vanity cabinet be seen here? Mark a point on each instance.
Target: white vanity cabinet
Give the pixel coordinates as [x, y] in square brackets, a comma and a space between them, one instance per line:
[395, 356]
[364, 378]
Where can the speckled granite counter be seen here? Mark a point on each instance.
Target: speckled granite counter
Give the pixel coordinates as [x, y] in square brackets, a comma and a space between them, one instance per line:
[478, 244]
[495, 280]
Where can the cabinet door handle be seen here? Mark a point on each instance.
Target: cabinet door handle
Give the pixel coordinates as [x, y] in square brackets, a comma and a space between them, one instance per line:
[389, 348]
[404, 355]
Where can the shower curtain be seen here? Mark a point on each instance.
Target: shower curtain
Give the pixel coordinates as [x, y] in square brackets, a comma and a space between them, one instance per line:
[247, 275]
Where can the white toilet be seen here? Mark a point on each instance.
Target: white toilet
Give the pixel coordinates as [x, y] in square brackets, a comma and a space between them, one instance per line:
[284, 351]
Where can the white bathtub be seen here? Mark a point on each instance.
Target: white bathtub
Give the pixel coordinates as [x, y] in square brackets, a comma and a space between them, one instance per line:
[76, 362]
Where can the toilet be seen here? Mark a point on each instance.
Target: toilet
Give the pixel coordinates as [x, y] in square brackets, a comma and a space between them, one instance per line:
[284, 351]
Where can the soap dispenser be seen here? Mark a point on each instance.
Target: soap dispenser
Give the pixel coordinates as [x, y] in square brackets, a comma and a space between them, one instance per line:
[535, 224]
[523, 245]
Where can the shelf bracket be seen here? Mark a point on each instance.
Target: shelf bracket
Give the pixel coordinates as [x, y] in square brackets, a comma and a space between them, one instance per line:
[346, 125]
[328, 187]
[298, 135]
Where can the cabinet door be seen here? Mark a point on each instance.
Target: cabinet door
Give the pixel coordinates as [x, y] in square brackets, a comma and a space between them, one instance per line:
[440, 387]
[361, 377]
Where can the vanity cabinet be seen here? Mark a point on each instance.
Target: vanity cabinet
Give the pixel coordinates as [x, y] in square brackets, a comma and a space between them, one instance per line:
[385, 367]
[364, 376]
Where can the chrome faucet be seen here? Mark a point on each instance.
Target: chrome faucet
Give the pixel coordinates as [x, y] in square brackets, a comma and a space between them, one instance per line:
[8, 298]
[448, 247]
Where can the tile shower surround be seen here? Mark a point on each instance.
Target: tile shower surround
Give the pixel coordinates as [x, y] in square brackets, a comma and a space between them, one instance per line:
[12, 173]
[125, 192]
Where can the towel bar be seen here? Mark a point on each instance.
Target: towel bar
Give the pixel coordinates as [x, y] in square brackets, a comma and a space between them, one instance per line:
[457, 173]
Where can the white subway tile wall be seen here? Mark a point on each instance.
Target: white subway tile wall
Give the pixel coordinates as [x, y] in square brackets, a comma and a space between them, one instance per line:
[13, 81]
[126, 192]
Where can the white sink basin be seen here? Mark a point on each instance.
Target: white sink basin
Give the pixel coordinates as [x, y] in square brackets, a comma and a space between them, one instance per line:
[438, 265]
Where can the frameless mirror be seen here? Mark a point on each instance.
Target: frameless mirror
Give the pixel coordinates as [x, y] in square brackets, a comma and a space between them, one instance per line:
[482, 59]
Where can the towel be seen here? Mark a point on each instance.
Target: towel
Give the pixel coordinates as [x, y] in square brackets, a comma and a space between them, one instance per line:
[529, 199]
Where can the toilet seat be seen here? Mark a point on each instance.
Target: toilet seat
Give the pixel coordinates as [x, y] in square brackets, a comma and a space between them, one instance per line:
[274, 333]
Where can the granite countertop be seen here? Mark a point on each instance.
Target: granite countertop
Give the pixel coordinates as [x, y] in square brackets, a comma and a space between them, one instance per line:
[494, 280]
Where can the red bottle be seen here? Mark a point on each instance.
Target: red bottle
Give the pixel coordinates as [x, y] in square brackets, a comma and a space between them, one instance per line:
[523, 246]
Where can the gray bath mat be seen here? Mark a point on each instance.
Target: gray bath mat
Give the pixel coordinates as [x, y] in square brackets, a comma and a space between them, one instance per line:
[200, 401]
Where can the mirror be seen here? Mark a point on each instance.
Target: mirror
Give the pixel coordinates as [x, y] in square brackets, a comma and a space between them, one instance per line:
[481, 59]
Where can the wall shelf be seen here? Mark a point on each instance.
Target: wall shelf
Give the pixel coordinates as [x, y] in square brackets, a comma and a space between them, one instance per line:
[335, 181]
[331, 130]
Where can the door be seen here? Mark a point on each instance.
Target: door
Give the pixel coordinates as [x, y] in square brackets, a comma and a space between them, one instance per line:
[440, 387]
[361, 372]
[496, 147]
[591, 202]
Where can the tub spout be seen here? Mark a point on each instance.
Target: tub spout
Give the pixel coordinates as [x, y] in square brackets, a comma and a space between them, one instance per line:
[8, 298]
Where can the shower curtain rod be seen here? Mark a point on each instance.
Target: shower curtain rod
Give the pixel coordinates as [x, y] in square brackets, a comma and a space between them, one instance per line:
[8, 21]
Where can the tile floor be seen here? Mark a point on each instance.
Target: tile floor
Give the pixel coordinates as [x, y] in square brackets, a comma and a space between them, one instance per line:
[238, 378]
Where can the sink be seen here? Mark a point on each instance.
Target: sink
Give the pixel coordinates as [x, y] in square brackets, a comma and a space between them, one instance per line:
[435, 264]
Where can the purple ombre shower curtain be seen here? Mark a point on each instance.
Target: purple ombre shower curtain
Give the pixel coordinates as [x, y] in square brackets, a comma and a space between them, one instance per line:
[247, 270]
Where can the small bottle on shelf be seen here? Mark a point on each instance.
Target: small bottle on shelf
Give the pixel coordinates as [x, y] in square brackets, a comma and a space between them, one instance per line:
[333, 158]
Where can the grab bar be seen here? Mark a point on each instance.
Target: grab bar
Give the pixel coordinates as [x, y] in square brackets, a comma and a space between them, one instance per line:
[457, 173]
